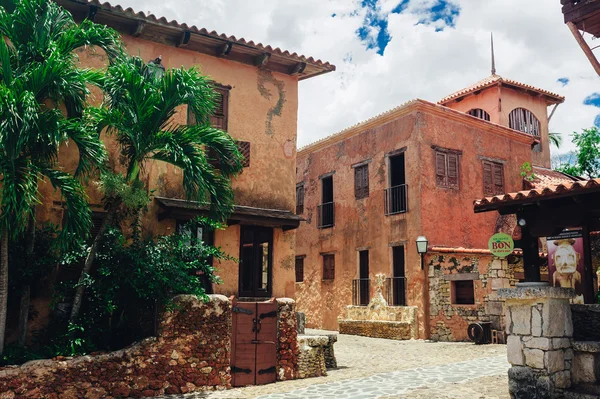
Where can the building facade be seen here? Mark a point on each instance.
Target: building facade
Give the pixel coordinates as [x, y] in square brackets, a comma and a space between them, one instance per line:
[258, 87]
[369, 191]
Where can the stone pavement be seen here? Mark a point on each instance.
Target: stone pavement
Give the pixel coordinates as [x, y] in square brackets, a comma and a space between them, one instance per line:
[371, 368]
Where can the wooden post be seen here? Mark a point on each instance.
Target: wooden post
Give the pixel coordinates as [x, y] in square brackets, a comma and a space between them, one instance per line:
[584, 46]
[531, 256]
[588, 278]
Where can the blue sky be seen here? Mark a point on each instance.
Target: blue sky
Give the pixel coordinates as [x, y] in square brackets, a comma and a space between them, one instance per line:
[388, 52]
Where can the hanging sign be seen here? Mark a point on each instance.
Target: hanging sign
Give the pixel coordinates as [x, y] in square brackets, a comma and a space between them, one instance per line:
[501, 244]
[565, 262]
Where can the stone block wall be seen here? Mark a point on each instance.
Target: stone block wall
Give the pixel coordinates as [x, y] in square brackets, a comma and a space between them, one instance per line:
[539, 345]
[449, 321]
[311, 360]
[377, 320]
[287, 340]
[192, 350]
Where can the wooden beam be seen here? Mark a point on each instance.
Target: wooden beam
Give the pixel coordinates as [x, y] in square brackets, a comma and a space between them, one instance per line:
[184, 39]
[139, 29]
[262, 59]
[584, 46]
[298, 68]
[224, 50]
[552, 113]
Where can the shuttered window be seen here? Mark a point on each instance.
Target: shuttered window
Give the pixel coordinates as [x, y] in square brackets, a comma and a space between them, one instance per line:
[361, 181]
[464, 292]
[446, 169]
[328, 267]
[299, 269]
[299, 199]
[493, 178]
[479, 113]
[220, 115]
[244, 147]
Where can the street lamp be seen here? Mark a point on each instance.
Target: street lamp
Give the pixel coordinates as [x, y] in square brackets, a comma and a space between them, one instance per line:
[156, 67]
[422, 248]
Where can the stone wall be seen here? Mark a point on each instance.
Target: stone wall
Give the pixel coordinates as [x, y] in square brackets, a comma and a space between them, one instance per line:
[192, 350]
[287, 340]
[377, 329]
[586, 322]
[311, 360]
[448, 320]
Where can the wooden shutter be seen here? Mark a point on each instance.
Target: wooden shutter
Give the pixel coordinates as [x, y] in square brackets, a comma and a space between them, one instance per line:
[244, 147]
[361, 181]
[221, 112]
[498, 178]
[452, 170]
[299, 199]
[328, 267]
[441, 172]
[488, 178]
[299, 269]
[464, 292]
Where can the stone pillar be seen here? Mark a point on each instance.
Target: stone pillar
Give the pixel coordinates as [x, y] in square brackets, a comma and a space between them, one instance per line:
[539, 332]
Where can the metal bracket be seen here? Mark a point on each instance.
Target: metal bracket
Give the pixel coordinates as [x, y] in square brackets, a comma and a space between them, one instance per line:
[270, 370]
[235, 369]
[268, 314]
[237, 309]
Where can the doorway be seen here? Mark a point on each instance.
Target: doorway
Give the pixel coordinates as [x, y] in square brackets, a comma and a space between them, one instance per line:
[399, 276]
[364, 286]
[256, 261]
[396, 199]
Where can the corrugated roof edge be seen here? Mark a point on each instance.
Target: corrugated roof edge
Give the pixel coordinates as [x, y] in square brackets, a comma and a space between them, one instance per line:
[162, 20]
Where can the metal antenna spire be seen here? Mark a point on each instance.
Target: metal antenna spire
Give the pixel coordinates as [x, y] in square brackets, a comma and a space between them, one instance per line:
[493, 59]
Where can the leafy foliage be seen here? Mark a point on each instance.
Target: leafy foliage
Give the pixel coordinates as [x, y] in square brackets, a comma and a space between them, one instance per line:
[588, 154]
[527, 172]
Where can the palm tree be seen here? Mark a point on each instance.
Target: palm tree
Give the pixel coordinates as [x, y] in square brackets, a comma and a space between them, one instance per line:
[555, 139]
[38, 76]
[140, 101]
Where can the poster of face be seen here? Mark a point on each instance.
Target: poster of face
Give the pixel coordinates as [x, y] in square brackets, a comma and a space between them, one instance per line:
[565, 262]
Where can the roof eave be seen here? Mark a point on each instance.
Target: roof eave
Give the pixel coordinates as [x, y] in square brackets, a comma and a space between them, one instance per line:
[550, 99]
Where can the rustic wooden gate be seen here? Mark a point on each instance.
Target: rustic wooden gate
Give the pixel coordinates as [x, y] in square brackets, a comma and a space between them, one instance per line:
[254, 343]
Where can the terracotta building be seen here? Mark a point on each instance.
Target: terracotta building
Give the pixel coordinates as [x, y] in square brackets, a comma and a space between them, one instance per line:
[258, 87]
[370, 190]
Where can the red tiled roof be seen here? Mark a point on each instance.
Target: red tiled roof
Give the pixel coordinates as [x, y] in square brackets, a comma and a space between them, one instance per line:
[551, 98]
[564, 189]
[326, 66]
[545, 177]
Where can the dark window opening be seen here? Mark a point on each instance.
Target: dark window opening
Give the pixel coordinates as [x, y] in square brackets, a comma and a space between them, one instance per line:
[446, 169]
[256, 260]
[361, 181]
[398, 283]
[329, 267]
[299, 199]
[463, 292]
[326, 209]
[396, 198]
[493, 178]
[479, 113]
[364, 277]
[299, 269]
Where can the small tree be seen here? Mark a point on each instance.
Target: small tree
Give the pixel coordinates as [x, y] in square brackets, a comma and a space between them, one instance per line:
[140, 101]
[587, 154]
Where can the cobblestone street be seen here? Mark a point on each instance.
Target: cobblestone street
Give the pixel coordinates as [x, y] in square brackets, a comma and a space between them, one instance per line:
[371, 368]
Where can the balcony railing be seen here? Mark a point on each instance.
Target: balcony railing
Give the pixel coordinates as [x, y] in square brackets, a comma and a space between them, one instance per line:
[395, 291]
[396, 199]
[326, 215]
[361, 292]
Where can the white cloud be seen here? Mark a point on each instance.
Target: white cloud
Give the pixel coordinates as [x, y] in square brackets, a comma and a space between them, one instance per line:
[533, 46]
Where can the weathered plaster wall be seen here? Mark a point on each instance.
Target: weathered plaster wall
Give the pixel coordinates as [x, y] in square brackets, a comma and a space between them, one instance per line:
[447, 214]
[449, 321]
[444, 216]
[263, 110]
[358, 223]
[510, 99]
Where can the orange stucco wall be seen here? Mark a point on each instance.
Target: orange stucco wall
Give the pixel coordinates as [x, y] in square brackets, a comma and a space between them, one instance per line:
[444, 216]
[499, 103]
[263, 108]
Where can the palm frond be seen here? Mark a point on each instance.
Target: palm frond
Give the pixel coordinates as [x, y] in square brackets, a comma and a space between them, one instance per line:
[555, 139]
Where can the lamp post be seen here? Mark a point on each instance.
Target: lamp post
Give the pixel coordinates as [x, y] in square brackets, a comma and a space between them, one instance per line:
[422, 248]
[157, 69]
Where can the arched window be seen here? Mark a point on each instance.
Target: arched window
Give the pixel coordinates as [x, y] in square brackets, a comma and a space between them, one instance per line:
[524, 121]
[479, 113]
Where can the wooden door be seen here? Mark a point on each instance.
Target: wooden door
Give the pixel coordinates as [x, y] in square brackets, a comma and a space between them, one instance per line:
[364, 277]
[254, 343]
[256, 261]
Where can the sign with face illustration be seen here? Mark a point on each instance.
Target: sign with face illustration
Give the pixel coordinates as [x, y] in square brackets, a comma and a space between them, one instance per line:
[565, 261]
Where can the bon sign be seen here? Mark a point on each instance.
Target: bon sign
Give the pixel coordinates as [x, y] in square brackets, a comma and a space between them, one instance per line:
[501, 244]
